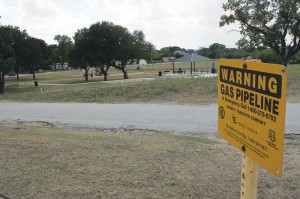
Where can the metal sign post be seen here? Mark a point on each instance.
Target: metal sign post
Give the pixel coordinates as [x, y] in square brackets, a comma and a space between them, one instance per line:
[249, 178]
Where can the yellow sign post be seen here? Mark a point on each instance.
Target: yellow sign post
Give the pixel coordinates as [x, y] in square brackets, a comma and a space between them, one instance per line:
[251, 102]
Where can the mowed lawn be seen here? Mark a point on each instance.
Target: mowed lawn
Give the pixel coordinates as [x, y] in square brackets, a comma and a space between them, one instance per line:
[69, 86]
[40, 161]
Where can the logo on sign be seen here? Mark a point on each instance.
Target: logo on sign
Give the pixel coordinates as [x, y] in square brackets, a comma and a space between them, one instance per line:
[272, 135]
[222, 112]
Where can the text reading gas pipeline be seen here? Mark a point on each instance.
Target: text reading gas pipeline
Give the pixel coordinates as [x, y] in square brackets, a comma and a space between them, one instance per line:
[250, 98]
[257, 89]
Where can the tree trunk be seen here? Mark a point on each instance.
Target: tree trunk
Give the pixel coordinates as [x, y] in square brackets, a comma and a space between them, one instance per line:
[2, 83]
[105, 73]
[284, 61]
[18, 78]
[33, 75]
[125, 73]
[86, 74]
[105, 77]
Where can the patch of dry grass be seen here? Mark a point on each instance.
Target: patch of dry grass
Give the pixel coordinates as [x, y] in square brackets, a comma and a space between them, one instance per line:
[39, 161]
[293, 83]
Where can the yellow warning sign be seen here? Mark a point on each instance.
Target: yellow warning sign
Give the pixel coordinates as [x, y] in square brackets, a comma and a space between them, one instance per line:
[251, 102]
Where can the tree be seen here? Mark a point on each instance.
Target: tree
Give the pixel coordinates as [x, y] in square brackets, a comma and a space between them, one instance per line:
[131, 46]
[170, 51]
[125, 48]
[297, 58]
[7, 55]
[64, 48]
[19, 39]
[106, 45]
[82, 54]
[30, 52]
[140, 50]
[93, 47]
[217, 47]
[37, 55]
[53, 48]
[178, 55]
[22, 52]
[214, 51]
[102, 46]
[269, 56]
[270, 23]
[149, 50]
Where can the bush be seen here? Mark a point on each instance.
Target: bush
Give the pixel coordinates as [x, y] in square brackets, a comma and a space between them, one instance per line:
[269, 57]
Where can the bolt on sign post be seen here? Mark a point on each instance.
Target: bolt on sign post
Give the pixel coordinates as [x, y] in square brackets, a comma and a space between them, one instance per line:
[251, 104]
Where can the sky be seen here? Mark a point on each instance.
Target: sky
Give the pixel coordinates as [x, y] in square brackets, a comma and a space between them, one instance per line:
[189, 24]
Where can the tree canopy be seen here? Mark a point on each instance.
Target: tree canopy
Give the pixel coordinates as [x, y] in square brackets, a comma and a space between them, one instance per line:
[270, 23]
[61, 52]
[20, 52]
[106, 45]
[7, 54]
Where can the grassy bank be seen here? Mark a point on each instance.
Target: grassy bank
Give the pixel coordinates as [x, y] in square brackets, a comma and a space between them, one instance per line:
[188, 90]
[193, 90]
[293, 83]
[38, 161]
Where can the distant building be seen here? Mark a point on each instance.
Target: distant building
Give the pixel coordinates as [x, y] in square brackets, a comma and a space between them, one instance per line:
[168, 59]
[193, 57]
[64, 67]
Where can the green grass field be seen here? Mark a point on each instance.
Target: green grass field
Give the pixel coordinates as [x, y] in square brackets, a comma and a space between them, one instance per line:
[293, 83]
[76, 76]
[69, 86]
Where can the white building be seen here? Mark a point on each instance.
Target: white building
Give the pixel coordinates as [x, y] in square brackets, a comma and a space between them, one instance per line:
[65, 66]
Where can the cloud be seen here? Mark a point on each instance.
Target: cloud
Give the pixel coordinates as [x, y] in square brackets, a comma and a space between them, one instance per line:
[38, 8]
[189, 23]
[7, 12]
[44, 19]
[96, 4]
